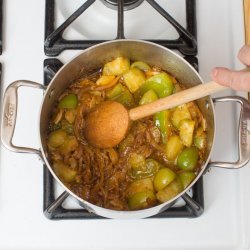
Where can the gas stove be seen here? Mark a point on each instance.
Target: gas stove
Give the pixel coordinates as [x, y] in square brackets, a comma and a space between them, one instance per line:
[29, 52]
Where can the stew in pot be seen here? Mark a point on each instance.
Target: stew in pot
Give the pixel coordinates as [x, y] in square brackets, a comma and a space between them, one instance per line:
[160, 156]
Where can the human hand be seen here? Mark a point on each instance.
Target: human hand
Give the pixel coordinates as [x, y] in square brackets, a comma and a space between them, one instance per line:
[237, 80]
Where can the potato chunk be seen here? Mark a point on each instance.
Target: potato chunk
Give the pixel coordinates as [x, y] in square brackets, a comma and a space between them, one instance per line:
[134, 79]
[180, 113]
[140, 186]
[186, 131]
[118, 66]
[104, 80]
[174, 147]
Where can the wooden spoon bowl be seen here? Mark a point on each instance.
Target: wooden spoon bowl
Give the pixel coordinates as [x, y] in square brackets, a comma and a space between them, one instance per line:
[107, 124]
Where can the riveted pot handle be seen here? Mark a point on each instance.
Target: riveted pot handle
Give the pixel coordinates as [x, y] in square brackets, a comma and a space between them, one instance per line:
[243, 134]
[9, 114]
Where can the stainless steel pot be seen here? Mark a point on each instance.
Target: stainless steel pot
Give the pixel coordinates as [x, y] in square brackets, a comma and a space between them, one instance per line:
[95, 57]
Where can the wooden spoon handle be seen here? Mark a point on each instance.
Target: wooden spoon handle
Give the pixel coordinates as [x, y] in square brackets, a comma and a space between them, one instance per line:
[174, 100]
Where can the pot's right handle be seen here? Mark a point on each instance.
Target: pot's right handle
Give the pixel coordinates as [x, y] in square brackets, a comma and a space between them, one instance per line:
[9, 114]
[243, 134]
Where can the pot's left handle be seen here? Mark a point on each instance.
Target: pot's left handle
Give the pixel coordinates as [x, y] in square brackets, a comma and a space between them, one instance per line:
[9, 114]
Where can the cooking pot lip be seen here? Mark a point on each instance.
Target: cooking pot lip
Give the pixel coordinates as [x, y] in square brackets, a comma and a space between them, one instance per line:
[109, 213]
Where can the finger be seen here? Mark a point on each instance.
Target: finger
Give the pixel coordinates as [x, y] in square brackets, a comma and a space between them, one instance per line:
[237, 80]
[244, 55]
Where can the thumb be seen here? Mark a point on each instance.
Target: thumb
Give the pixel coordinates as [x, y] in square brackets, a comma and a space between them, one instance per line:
[237, 80]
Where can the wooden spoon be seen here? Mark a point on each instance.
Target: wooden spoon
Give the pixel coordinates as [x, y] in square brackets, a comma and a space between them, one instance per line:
[107, 123]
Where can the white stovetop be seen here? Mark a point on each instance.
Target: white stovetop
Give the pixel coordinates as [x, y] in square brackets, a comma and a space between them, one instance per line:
[225, 223]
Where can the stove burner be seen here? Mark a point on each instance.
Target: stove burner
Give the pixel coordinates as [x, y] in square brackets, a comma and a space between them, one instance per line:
[53, 208]
[127, 4]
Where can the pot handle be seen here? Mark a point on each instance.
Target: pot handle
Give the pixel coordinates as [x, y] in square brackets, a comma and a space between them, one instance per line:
[9, 114]
[243, 134]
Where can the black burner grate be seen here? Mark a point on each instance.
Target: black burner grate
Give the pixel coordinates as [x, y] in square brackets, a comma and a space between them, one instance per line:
[54, 42]
[53, 208]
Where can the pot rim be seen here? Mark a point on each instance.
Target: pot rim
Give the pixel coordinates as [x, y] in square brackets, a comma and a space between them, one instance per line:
[109, 213]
